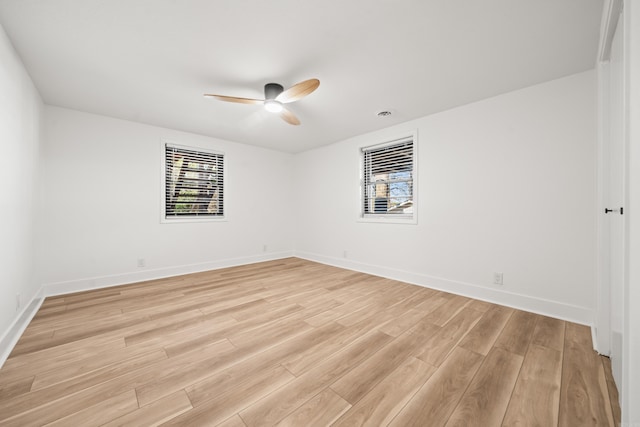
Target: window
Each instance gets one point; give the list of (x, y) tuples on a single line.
[(193, 183), (388, 180)]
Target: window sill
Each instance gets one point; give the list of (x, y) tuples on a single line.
[(191, 220), (388, 220)]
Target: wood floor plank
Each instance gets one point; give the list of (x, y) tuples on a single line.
[(237, 306), (46, 360), (173, 335), (284, 401), (209, 388), (61, 319), (173, 379), (414, 299), (308, 295), (128, 325), (92, 295), (156, 413), (75, 410), (433, 404), (51, 309), (485, 401), (402, 322), (484, 334), (584, 394), (534, 401), (234, 421), (517, 333), (549, 333), (312, 356), (71, 396), (208, 337), (91, 298), (480, 305), (44, 396), (438, 346), (178, 379), (31, 334), (212, 303), (325, 317), (359, 315), (441, 315), (322, 410), (231, 394), (294, 342), (12, 388), (108, 410), (386, 399), (93, 364), (364, 377), (53, 301), (270, 333), (180, 325), (432, 303)]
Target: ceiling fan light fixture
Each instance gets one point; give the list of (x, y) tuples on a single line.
[(275, 97), (273, 106)]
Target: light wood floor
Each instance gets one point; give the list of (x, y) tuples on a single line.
[(295, 343)]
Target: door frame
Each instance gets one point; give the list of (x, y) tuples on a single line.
[(612, 14)]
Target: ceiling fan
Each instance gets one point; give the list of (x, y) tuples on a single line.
[(275, 96)]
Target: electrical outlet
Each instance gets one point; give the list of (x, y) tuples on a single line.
[(18, 302), (498, 279), (141, 262), (345, 254), (264, 248)]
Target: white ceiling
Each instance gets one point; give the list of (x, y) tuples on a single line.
[(150, 61)]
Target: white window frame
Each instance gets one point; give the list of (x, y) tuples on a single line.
[(163, 167), (390, 218)]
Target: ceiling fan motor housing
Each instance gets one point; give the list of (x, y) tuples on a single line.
[(271, 90)]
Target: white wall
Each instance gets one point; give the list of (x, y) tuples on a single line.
[(20, 136), (505, 185), (102, 205)]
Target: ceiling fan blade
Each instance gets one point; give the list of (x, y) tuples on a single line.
[(289, 117), (298, 91), (235, 99)]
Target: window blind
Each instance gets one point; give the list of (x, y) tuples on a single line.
[(194, 182), (388, 178)]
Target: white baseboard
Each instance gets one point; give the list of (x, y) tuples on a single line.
[(87, 284), (14, 332), (572, 313), (594, 340)]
